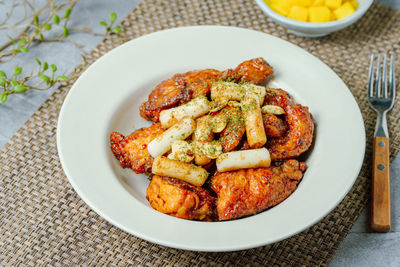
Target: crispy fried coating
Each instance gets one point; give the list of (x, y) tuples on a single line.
[(278, 97), (167, 94), (274, 126), (180, 199), (247, 192), (182, 87), (232, 134), (254, 70), (131, 150), (199, 81), (298, 137)]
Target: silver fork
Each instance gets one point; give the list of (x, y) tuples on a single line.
[(381, 96)]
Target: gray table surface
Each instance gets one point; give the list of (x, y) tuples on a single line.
[(360, 248)]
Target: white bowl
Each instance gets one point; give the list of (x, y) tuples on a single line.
[(310, 29)]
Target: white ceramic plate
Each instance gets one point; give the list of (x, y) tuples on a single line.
[(107, 96)]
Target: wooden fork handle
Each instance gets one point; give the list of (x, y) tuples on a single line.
[(380, 220)]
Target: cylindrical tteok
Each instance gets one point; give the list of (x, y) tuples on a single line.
[(180, 131), (254, 124), (194, 108), (243, 159), (203, 133), (225, 91), (184, 171)]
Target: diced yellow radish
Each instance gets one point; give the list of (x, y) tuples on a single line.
[(313, 10), (303, 3), (344, 11), (298, 13), (285, 4), (278, 7), (354, 3), (333, 4), (320, 14), (279, 10), (318, 3)]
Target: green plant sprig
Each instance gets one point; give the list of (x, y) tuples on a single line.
[(41, 21), (44, 79), (35, 30), (109, 26)]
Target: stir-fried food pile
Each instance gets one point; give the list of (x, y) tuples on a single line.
[(221, 145)]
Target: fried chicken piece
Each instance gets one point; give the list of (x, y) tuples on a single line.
[(180, 199), (278, 97), (247, 192), (298, 137), (167, 94), (182, 87), (274, 126), (232, 134), (199, 81), (131, 150), (254, 71)]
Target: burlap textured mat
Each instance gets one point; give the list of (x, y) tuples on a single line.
[(43, 221)]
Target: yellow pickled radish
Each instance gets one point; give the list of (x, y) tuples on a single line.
[(303, 3), (344, 11), (354, 3), (278, 6), (314, 10), (320, 14), (318, 3), (279, 10), (298, 13), (333, 4)]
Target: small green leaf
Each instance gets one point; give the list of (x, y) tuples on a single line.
[(17, 71), (36, 18), (46, 27), (62, 78), (113, 17), (56, 19), (41, 36), (3, 98), (11, 39), (2, 74), (14, 83), (21, 43), (24, 49), (44, 78), (103, 23), (67, 12), (20, 88), (38, 61), (2, 81), (45, 66), (66, 31), (53, 67), (117, 30)]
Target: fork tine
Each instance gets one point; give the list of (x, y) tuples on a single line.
[(378, 78), (392, 82), (384, 80), (371, 76)]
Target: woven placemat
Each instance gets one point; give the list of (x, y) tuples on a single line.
[(43, 220)]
